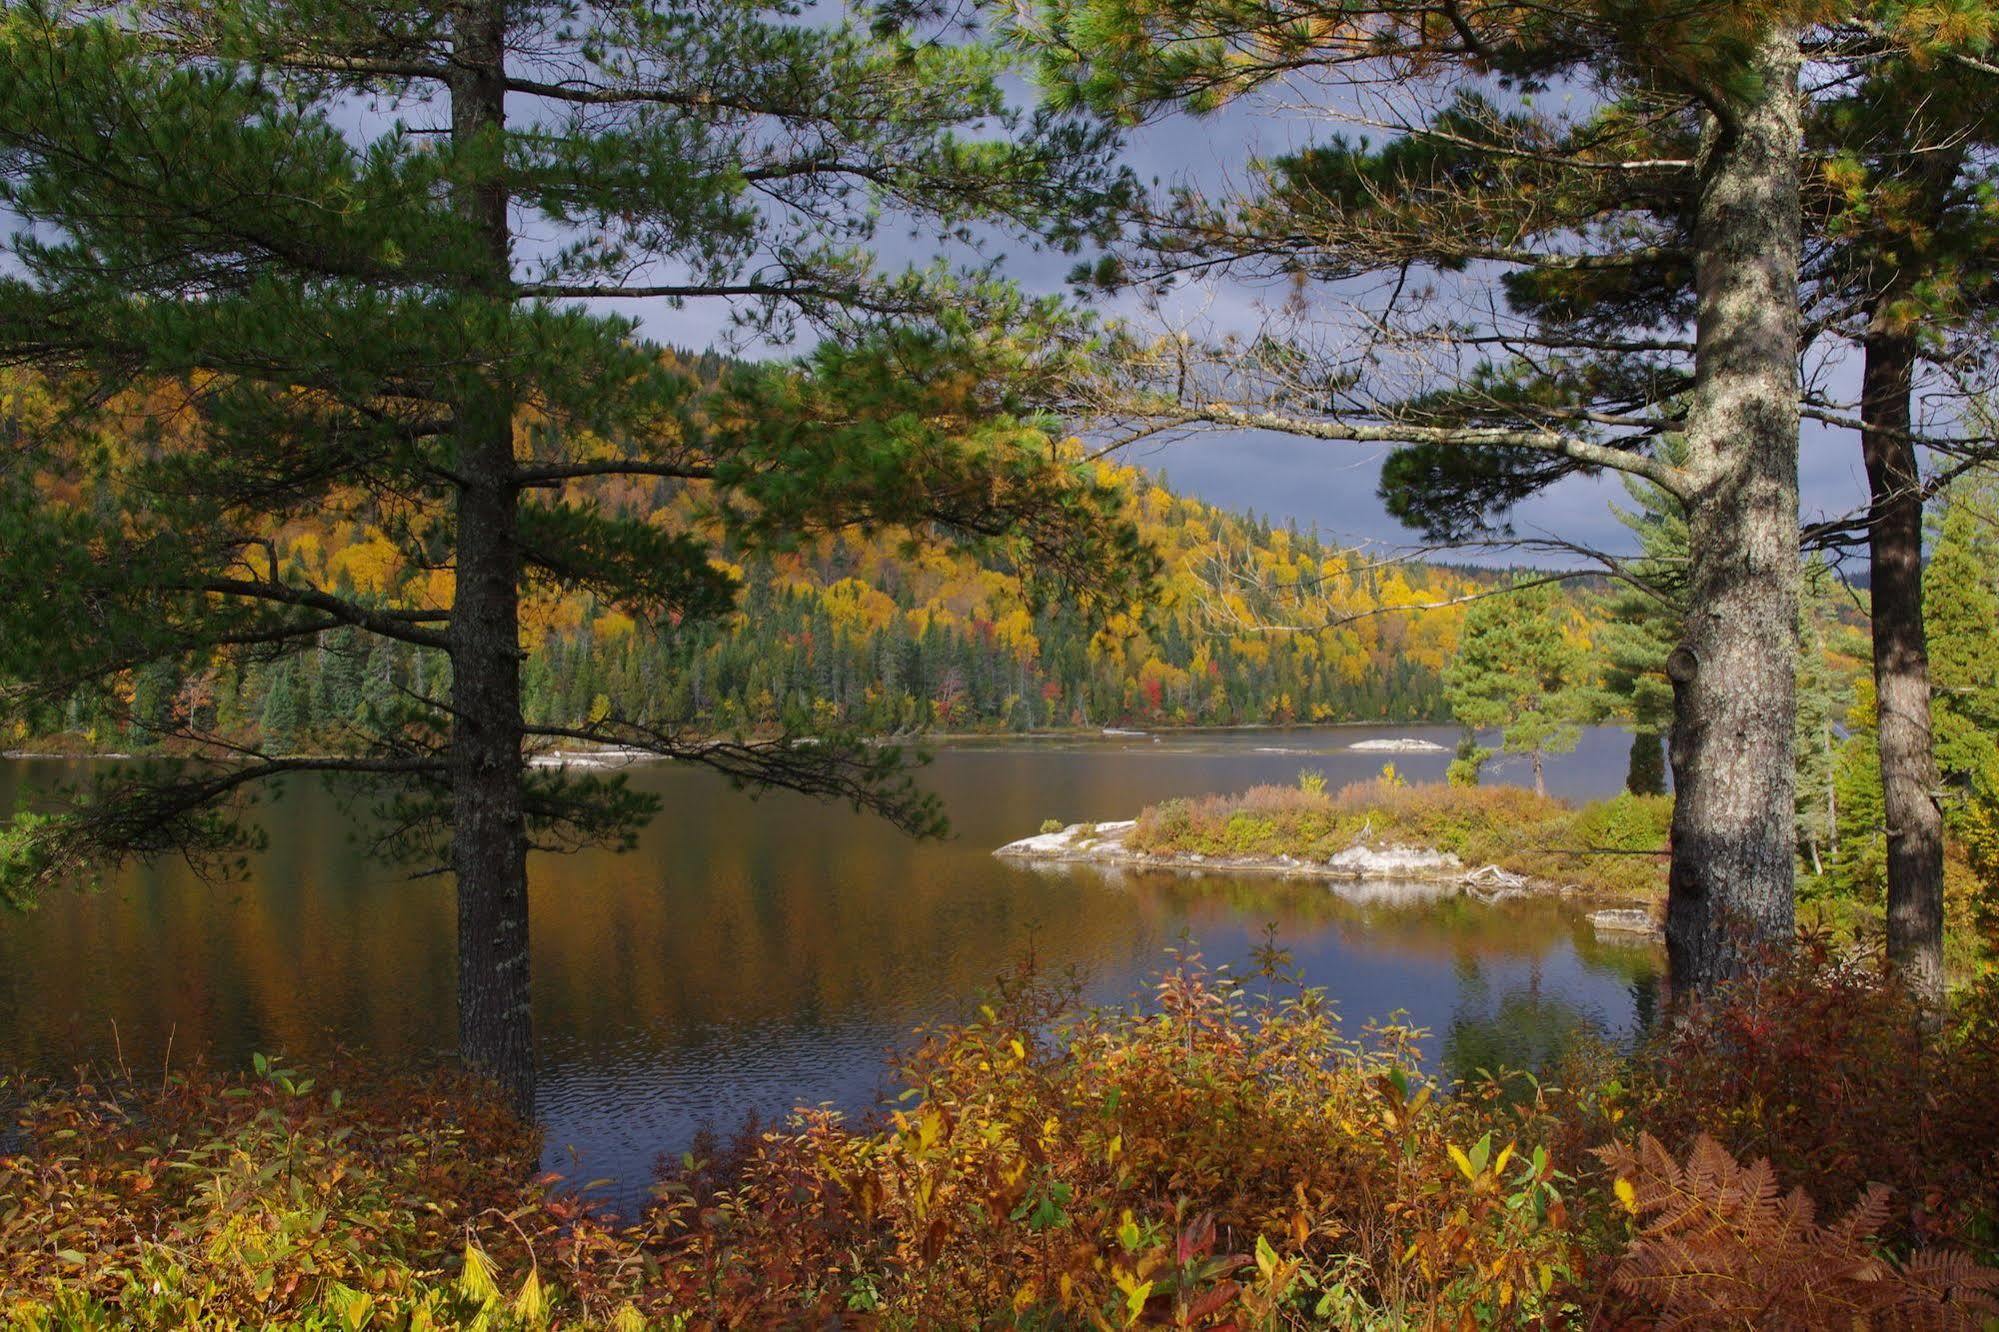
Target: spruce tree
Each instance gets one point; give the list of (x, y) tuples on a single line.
[(357, 261), (1645, 617), (1962, 607)]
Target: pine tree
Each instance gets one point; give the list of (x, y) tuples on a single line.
[(1906, 266), (1619, 219), (1683, 158), (1518, 671), (297, 307)]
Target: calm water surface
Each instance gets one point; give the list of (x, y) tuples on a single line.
[(755, 955)]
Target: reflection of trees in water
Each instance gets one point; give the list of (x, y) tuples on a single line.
[(1518, 1026), (1496, 1023), (1444, 927), (730, 916), (1646, 992)]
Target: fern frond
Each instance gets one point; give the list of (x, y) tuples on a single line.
[(1721, 1244)]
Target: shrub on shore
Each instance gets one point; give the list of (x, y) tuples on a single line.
[(1225, 1156), (1603, 846)]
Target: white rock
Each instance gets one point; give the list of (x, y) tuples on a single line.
[(1624, 920), (1392, 892), (1388, 861), (1078, 839)]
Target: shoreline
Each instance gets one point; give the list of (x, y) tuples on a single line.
[(619, 755)]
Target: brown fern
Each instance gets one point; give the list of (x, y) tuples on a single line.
[(1719, 1244)]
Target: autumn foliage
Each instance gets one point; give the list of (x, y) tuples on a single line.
[(1224, 1156), (1719, 1244), (1609, 845)]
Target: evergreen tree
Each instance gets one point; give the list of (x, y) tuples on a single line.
[(1910, 242), (1962, 596), (283, 718), (1646, 616), (1962, 608), (1818, 708), (1518, 671), (297, 308), (1681, 155)]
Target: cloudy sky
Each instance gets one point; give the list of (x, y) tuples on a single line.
[(1330, 486), (1333, 485)]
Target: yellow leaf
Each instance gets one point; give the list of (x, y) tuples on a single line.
[(1627, 1195)]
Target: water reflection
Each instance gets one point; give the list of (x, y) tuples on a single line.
[(753, 955)]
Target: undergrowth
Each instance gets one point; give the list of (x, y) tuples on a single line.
[(1227, 1155)]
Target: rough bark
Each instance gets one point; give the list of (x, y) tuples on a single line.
[(1733, 881), (489, 832), (1901, 661)]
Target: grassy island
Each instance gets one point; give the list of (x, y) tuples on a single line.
[(1605, 846)]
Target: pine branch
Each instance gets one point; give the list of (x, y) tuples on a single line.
[(1663, 475)]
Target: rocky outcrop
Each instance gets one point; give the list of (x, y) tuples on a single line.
[(1404, 745), (1108, 844), (1635, 921)]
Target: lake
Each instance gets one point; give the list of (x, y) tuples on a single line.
[(755, 955)]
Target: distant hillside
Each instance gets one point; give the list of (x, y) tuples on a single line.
[(1252, 624)]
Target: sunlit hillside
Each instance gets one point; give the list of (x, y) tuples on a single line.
[(1250, 624)]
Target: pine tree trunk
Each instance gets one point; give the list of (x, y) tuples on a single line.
[(1901, 663), (489, 832), (1732, 887), (1540, 777)]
